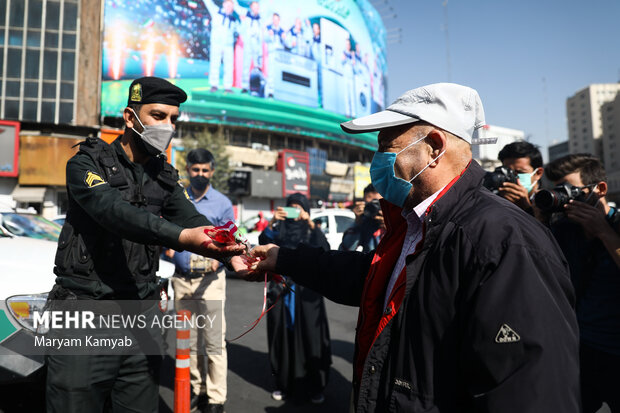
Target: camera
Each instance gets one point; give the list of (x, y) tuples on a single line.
[(371, 209), (494, 180), (553, 200)]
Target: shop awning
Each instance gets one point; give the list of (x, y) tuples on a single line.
[(28, 193)]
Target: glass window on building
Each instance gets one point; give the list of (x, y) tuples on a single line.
[(39, 82)]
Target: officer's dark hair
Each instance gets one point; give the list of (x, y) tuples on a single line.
[(200, 155), (590, 168), (276, 14), (522, 149), (370, 188)]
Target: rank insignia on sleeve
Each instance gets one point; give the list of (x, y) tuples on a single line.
[(92, 179), (186, 194)]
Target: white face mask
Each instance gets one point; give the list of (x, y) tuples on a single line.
[(155, 137)]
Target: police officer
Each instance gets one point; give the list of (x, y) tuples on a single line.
[(124, 202)]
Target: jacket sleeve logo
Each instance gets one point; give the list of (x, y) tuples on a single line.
[(506, 335), (92, 179)]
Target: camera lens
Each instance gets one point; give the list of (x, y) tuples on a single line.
[(551, 200)]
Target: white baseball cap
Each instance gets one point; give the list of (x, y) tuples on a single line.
[(451, 107)]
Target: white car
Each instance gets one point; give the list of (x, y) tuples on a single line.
[(334, 222), (26, 277)]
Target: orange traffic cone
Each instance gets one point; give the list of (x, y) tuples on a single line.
[(181, 378)]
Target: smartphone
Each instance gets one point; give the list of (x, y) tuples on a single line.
[(291, 212)]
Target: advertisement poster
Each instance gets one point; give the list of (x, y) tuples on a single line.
[(315, 61)]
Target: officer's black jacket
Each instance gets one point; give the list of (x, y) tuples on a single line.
[(108, 223), (484, 264)]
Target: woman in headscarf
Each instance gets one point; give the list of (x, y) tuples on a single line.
[(297, 329)]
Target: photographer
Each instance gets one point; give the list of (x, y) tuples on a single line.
[(587, 232), (369, 225), (526, 161)]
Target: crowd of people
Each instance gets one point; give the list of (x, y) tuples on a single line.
[(470, 299)]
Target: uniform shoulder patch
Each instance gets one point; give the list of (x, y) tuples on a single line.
[(506, 335), (136, 93), (186, 194), (92, 179)]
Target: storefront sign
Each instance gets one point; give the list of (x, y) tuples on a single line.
[(294, 166)]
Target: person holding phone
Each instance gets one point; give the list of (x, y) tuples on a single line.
[(297, 328)]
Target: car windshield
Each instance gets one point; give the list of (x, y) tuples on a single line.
[(29, 225)]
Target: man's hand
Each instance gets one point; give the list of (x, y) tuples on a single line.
[(195, 240), (169, 253), (215, 265), (594, 224), (269, 255), (380, 220), (516, 194), (358, 209), (591, 219)]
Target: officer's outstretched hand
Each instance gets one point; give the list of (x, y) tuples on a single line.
[(195, 240)]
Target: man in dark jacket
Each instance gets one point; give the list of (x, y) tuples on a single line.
[(470, 309), (124, 202)]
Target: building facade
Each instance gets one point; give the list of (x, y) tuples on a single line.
[(557, 150), (593, 116), (585, 119)]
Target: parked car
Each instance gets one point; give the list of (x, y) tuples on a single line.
[(247, 228), (30, 225), (60, 219), (334, 222), (26, 277)]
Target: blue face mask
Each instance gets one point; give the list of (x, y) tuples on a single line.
[(394, 190), (526, 180)]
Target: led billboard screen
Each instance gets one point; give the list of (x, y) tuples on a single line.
[(274, 64)]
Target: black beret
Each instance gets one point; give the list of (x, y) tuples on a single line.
[(155, 90)]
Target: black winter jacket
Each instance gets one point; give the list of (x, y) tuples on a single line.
[(486, 321)]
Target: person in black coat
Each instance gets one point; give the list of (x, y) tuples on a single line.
[(297, 328)]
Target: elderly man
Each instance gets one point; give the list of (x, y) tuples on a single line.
[(470, 309)]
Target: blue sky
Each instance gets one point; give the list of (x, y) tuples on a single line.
[(504, 49)]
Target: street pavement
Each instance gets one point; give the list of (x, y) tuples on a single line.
[(250, 381)]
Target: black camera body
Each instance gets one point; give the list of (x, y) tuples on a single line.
[(494, 180), (553, 200), (371, 209)]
